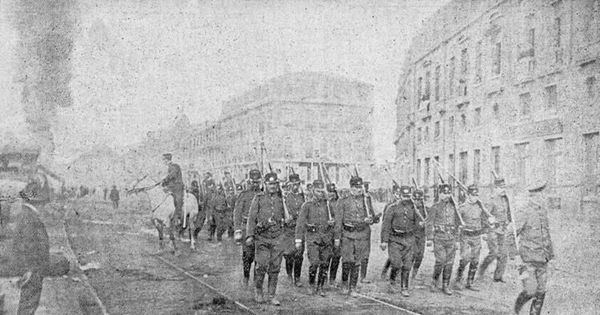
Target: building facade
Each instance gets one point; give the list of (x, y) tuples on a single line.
[(295, 121), (509, 87)]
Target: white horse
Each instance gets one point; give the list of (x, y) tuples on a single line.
[(163, 209)]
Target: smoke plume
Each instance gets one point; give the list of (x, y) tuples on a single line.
[(46, 30)]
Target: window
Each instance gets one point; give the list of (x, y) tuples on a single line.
[(436, 90), (462, 172), (464, 63), (427, 86), (419, 139), (426, 133), (476, 166), (531, 41), (496, 109), (451, 77), (551, 97), (427, 171), (496, 160), (557, 42), (451, 125), (552, 159), (525, 102), (308, 148), (419, 94), (478, 63), (452, 167), (477, 118), (419, 172), (591, 164), (522, 163), (435, 170), (463, 121), (437, 130), (590, 84), (497, 59)]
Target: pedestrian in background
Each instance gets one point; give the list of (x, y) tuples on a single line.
[(114, 197)]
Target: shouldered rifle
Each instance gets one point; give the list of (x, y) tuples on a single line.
[(327, 181), (286, 213), (511, 217), (462, 222)]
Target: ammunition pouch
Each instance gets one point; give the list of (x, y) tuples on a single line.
[(472, 233), (312, 228), (262, 227), (402, 233), (355, 227), (451, 229)]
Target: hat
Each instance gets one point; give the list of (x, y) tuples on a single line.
[(318, 184), (405, 191), (499, 181), (473, 190), (537, 186), (331, 188), (445, 189), (294, 178), (356, 181), (271, 178), (239, 187), (167, 156), (418, 194), (254, 175), (395, 188)]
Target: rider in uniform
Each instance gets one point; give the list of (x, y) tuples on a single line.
[(240, 218), (294, 256), (174, 183), (315, 225), (265, 230)]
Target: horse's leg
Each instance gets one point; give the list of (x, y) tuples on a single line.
[(191, 227), (159, 227), (172, 231)]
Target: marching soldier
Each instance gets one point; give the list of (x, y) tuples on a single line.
[(396, 197), (445, 224), (230, 199), (174, 183), (211, 194), (420, 235), (294, 256), (218, 211), (535, 249), (332, 198), (474, 217), (265, 230), (352, 230), (240, 219), (315, 225), (364, 263), (500, 208), (398, 228)]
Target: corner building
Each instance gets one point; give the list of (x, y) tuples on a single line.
[(509, 86)]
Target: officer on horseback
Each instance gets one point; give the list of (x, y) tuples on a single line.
[(174, 183)]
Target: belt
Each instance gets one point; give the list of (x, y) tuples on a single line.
[(402, 233), (472, 232), (312, 228), (444, 228), (354, 228)]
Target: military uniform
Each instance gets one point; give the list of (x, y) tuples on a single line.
[(444, 231), (497, 236), (364, 263), (420, 237), (314, 226), (293, 256), (219, 212), (240, 219), (470, 241), (536, 250), (354, 233), (230, 199), (174, 182), (398, 231), (265, 227), (337, 250)]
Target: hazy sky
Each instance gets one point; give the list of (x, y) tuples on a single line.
[(136, 62)]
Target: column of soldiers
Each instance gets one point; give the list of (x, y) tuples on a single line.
[(275, 223)]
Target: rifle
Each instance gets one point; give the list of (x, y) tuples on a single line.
[(512, 218), (327, 181), (286, 214), (414, 202), (462, 222), (370, 212)]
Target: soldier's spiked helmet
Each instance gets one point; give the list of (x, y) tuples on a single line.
[(445, 189), (405, 191), (254, 175), (418, 194), (331, 188), (271, 178), (356, 181), (318, 184), (294, 178), (473, 190)]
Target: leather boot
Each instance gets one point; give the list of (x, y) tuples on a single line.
[(462, 265), (312, 275), (289, 266), (273, 289), (471, 277), (437, 270), (521, 300), (484, 265), (404, 280), (447, 274), (259, 279), (363, 271), (321, 280), (385, 269), (353, 280), (346, 271), (298, 270), (393, 276), (537, 303), (335, 262)]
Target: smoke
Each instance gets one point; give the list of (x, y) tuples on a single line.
[(45, 30)]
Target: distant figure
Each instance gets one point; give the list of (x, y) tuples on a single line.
[(105, 192), (114, 197)]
